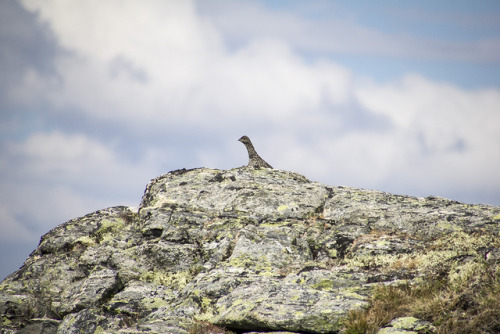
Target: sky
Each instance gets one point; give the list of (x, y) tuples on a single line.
[(97, 97)]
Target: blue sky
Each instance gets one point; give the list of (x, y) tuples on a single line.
[(99, 97)]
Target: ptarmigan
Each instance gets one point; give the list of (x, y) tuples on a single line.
[(254, 160)]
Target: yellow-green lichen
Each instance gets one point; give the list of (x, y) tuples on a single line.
[(351, 293), (324, 285), (299, 314), (447, 226), (443, 249), (207, 309), (71, 321), (275, 223), (405, 322), (177, 280), (155, 303), (323, 323), (260, 264), (237, 302), (109, 227), (246, 305), (226, 224), (99, 330), (205, 316), (282, 207), (206, 302), (369, 260), (464, 273), (86, 240)]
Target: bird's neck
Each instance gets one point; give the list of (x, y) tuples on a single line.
[(251, 151)]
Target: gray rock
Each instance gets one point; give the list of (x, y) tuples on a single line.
[(41, 325), (243, 249), (408, 325)]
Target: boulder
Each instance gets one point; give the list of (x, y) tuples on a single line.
[(246, 250)]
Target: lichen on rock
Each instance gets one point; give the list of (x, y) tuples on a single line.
[(242, 249)]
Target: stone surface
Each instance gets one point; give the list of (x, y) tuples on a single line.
[(408, 325), (249, 250)]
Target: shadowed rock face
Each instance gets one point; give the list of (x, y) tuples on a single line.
[(245, 249)]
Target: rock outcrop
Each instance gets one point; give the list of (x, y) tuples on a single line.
[(244, 249)]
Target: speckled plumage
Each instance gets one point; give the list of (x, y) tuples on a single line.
[(254, 160)]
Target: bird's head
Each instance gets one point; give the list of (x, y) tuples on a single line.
[(244, 140)]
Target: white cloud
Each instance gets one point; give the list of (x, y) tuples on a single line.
[(60, 153), (163, 40), (12, 229), (80, 160), (161, 65), (52, 177), (331, 27), (31, 210), (105, 29), (442, 133), (443, 115)]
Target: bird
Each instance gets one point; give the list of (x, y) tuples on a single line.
[(254, 160)]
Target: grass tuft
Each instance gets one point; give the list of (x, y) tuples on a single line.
[(204, 327), (469, 304)]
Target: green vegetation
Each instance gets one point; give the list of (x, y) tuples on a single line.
[(203, 327), (470, 304)]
